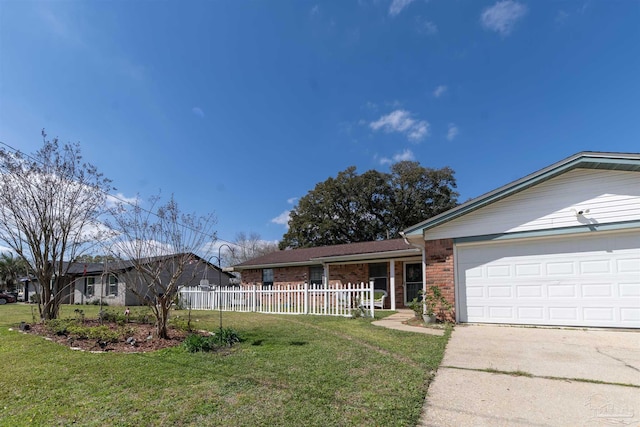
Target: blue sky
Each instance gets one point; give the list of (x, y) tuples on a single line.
[(241, 107)]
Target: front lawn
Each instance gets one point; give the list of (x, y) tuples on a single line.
[(289, 370)]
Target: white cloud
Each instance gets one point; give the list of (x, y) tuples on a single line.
[(4, 249), (425, 26), (401, 121), (439, 91), (452, 132), (282, 219), (371, 105), (292, 200), (502, 16), (561, 17), (114, 199), (315, 10), (419, 131), (198, 111), (397, 6), (399, 157)]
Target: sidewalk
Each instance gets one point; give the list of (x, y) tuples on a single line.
[(395, 322)]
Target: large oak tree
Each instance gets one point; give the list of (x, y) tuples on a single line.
[(371, 206)]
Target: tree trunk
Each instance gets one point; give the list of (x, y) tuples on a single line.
[(163, 317)]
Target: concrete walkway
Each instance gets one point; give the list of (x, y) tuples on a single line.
[(518, 376), (395, 321)]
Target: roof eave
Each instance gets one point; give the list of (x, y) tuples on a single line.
[(629, 161), (271, 265), (369, 256), (331, 259)]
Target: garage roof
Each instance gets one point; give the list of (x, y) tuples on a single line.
[(584, 160)]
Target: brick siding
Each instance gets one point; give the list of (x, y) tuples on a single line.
[(440, 271)]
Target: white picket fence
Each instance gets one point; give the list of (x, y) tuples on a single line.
[(303, 298)]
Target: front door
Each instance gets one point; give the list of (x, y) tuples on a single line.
[(412, 281)]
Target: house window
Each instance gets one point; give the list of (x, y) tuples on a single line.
[(378, 273), (315, 275), (267, 278), (113, 285), (412, 281), (89, 286)]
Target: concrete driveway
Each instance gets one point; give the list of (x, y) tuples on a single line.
[(517, 376)]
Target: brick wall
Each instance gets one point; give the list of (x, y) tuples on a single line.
[(440, 272), (348, 273), (338, 274)]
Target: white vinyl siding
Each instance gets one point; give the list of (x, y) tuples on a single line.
[(610, 196), (573, 281)]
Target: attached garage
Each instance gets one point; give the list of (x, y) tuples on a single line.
[(558, 247), (578, 281)]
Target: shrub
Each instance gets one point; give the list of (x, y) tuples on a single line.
[(101, 333), (194, 343), (227, 336), (59, 326)]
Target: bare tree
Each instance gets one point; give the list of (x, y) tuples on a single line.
[(49, 205), (159, 244), (246, 247)]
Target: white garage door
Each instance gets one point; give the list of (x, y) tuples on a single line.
[(572, 281)]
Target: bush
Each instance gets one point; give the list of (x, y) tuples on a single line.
[(100, 333), (59, 326), (226, 336), (194, 343), (113, 317)]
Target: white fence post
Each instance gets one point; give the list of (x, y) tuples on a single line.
[(371, 297), (254, 291)]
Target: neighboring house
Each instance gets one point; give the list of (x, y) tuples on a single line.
[(113, 281), (393, 265), (558, 247)]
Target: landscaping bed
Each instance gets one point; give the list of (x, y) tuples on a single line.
[(127, 338)]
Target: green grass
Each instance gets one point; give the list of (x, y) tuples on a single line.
[(289, 370)]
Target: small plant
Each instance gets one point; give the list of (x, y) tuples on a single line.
[(227, 336), (60, 326), (416, 305), (434, 298), (430, 302), (195, 343), (143, 318), (180, 323), (224, 337), (79, 315), (113, 317)]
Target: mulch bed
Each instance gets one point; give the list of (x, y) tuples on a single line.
[(141, 337)]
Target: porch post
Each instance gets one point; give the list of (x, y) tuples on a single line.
[(424, 276), (392, 282), (326, 274)]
